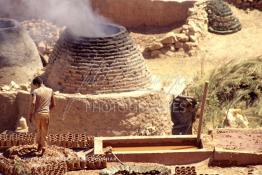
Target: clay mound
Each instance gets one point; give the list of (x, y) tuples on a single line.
[(19, 58), (221, 19), (97, 65)]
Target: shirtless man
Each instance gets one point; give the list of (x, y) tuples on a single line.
[(42, 103)]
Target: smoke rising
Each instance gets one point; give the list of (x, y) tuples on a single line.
[(77, 15)]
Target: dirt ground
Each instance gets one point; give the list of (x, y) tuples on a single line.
[(201, 168), (240, 140), (214, 50)]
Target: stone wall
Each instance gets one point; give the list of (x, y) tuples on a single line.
[(144, 13), (132, 113), (244, 4), (129, 13)]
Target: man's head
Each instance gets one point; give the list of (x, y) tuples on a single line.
[(37, 81)]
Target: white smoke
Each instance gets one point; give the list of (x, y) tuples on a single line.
[(77, 15)]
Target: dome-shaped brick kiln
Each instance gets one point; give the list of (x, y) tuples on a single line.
[(110, 63), (19, 58), (221, 19)]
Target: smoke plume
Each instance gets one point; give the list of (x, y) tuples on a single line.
[(77, 15)]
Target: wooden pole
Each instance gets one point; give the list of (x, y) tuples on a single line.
[(202, 109)]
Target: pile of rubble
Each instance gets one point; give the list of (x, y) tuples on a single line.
[(245, 4), (45, 34), (14, 87), (188, 37)]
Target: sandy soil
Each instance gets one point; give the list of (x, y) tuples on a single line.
[(241, 140)]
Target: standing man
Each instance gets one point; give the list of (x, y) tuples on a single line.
[(42, 103)]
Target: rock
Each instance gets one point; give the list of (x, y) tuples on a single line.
[(22, 125), (192, 53), (179, 45), (193, 28), (169, 39), (41, 47), (185, 32), (235, 119), (170, 53), (191, 11), (24, 87), (56, 92), (155, 53), (156, 46), (189, 46), (165, 49), (44, 59), (185, 27), (182, 37), (172, 48), (5, 88), (13, 85), (192, 38)]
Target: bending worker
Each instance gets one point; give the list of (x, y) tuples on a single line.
[(42, 103)]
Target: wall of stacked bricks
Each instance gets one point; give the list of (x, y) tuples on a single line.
[(244, 4), (67, 140), (98, 115), (140, 13), (59, 167)]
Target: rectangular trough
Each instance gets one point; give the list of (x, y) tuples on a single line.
[(168, 150)]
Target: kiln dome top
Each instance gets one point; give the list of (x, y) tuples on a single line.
[(106, 31)]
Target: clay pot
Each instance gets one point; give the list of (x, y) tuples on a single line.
[(98, 164), (70, 165), (76, 137), (75, 144), (8, 143), (103, 164), (63, 143), (1, 142), (90, 165), (10, 170), (14, 142), (1, 167), (81, 144), (82, 164), (77, 164)]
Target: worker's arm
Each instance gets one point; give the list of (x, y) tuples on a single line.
[(52, 104), (32, 110)]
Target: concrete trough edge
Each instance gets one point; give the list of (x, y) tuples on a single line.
[(228, 158)]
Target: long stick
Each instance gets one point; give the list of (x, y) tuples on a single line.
[(203, 103)]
